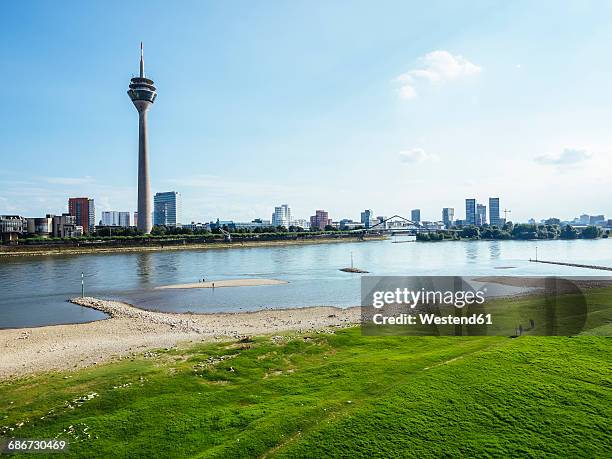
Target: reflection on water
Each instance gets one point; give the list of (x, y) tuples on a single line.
[(495, 250), (471, 252), (144, 265), (35, 289)]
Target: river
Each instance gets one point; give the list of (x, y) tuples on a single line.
[(35, 289)]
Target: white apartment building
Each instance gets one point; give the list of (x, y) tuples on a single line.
[(282, 216)]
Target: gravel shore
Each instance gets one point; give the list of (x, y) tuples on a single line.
[(132, 330)]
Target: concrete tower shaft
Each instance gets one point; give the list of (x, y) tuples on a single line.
[(143, 93)]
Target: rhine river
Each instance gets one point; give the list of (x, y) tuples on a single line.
[(35, 290)]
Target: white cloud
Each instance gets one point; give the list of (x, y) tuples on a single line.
[(407, 91), (416, 156), (568, 157), (435, 67)]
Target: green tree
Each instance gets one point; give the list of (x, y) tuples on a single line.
[(158, 230), (486, 233), (525, 231), (568, 232), (470, 232), (591, 232), (552, 231)]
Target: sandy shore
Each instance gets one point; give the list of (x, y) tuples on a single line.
[(227, 283), (129, 330)]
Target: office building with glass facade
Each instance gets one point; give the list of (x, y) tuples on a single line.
[(166, 208)]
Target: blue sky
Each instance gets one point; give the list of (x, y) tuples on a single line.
[(336, 105)]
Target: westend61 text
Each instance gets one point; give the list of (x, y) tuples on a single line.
[(432, 319)]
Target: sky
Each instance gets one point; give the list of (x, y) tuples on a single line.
[(335, 105)]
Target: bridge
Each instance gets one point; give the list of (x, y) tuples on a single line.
[(392, 227)]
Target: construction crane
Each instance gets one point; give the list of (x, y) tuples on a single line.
[(506, 212), (228, 236)]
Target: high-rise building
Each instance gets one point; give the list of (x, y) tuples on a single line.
[(114, 218), (109, 218), (448, 216), (367, 218), (136, 219), (481, 214), (320, 220), (143, 94), (470, 211), (84, 211), (415, 215), (494, 219), (124, 219), (166, 208), (282, 216)]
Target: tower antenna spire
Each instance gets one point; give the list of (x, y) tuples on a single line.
[(142, 74), (142, 92)]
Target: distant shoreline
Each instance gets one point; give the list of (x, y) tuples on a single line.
[(30, 251)]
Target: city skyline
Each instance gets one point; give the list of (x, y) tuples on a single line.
[(364, 100), (167, 211)]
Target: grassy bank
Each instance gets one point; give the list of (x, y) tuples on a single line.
[(329, 394)]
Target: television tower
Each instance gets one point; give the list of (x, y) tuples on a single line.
[(143, 94)]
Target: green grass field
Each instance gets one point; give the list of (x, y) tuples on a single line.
[(336, 394)]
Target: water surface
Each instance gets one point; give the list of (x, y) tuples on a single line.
[(35, 289)]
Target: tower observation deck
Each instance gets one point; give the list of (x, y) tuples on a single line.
[(142, 92)]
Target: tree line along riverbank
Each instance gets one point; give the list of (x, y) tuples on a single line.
[(107, 244), (522, 231)]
